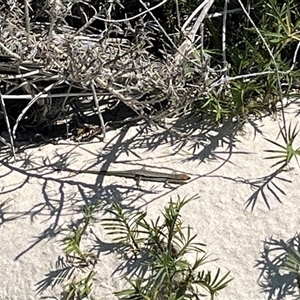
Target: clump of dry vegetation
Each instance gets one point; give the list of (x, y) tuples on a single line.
[(71, 61)]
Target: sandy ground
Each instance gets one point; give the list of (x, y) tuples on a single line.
[(247, 218)]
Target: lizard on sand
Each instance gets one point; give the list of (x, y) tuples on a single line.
[(138, 175)]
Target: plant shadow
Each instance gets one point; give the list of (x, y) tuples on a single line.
[(264, 185), (63, 272), (129, 265), (274, 280)]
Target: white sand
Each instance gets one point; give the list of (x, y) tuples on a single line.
[(36, 205)]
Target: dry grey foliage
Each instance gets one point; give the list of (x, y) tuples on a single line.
[(46, 67)]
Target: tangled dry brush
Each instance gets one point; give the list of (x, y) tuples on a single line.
[(62, 60)]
